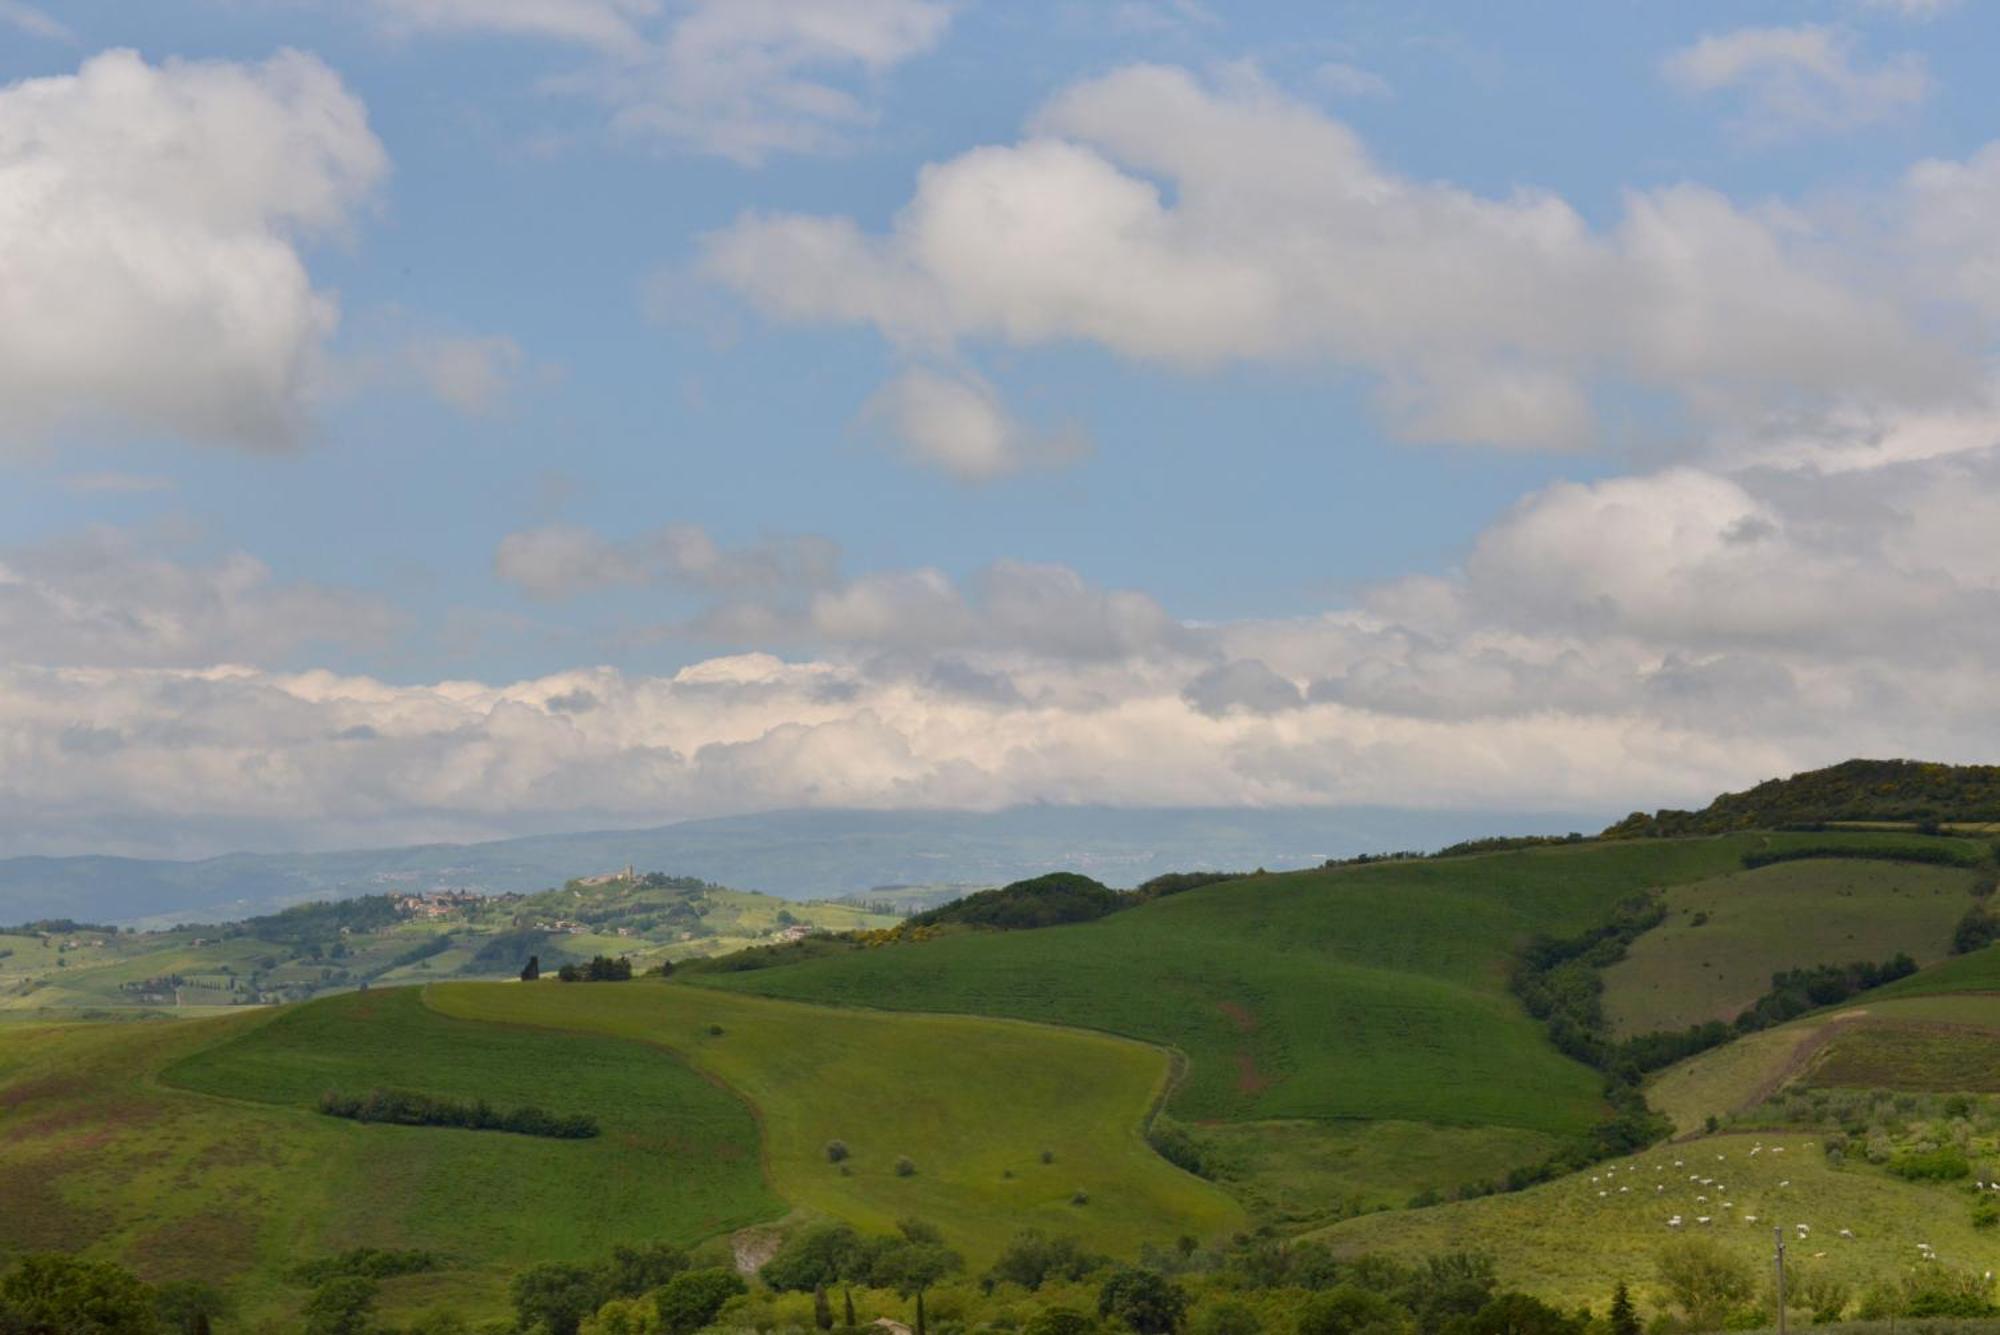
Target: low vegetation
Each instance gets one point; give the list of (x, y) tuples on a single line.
[(403, 1107)]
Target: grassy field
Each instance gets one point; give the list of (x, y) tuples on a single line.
[(1573, 1239), (1374, 992), (1303, 1173), (1940, 1042), (112, 1136), (194, 1149), (972, 1103), (1724, 937)]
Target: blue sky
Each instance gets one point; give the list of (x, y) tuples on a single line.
[(1313, 372)]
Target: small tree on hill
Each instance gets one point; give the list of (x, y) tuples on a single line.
[(532, 969), (1624, 1317), (1703, 1280)]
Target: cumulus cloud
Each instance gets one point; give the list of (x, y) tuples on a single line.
[(741, 79), (151, 218), (958, 425), (1192, 225), (109, 598), (473, 374), (1800, 79)]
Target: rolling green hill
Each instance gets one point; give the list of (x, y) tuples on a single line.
[(196, 1149), (1335, 998), (1724, 937), (1867, 791)]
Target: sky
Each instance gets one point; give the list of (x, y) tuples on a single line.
[(444, 419)]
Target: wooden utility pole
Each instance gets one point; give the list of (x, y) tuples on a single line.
[(1779, 1234)]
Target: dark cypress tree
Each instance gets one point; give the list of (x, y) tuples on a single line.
[(532, 969), (1624, 1321), (847, 1300), (822, 1309)]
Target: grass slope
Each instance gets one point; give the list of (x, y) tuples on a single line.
[(1573, 1239), (1373, 992), (972, 1102), (97, 1151), (1724, 937)]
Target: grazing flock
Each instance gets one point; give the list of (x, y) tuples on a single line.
[(1683, 1177)]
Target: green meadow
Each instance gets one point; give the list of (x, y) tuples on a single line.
[(1572, 1239), (973, 1104), (1725, 936), (1361, 992)]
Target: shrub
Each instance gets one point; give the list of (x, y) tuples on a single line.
[(690, 1301), (1703, 1280), (556, 1294), (64, 1293), (1178, 1148), (1079, 1197), (836, 1150), (1060, 1321), (1945, 1164), (406, 1108), (367, 1262), (1228, 1317), (343, 1306), (1033, 1259), (1145, 1300), (1343, 1310), (905, 1166)]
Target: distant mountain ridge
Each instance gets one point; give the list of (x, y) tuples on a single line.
[(797, 854), (1854, 790)]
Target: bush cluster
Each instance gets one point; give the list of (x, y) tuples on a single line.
[(406, 1108)]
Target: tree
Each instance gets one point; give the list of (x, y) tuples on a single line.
[(1145, 1300), (1343, 1310), (557, 1294), (1228, 1317), (1624, 1317), (690, 1300), (847, 1307), (189, 1307), (1060, 1321), (1703, 1280), (1033, 1259), (1517, 1314), (822, 1309), (821, 1254), (633, 1271), (623, 1316), (52, 1292), (532, 969), (913, 1267), (342, 1306)]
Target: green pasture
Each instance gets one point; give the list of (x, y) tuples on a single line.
[(1374, 992), (1725, 936), (191, 1150), (972, 1103), (1571, 1240)]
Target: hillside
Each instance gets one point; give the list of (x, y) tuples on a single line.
[(1899, 791), (65, 968), (1724, 937), (793, 854), (209, 1158)]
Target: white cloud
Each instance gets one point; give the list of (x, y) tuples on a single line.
[(150, 221), (1798, 80), (109, 598), (1914, 9), (32, 21), (958, 425), (1192, 226), (741, 79)]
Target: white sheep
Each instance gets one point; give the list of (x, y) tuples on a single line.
[(1701, 1219), (1847, 1233)]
